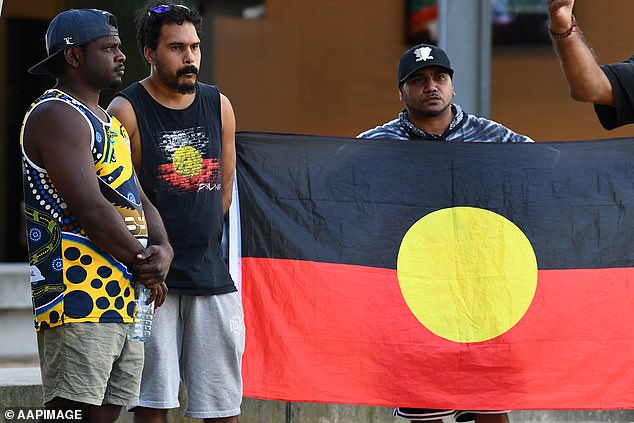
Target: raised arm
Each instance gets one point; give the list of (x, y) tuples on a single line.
[(586, 80), (228, 151)]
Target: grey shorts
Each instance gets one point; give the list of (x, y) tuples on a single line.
[(92, 363), (198, 340), (425, 414)]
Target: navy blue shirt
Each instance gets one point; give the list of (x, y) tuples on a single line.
[(621, 76), (181, 175)]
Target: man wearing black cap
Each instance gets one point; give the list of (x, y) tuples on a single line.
[(425, 87), (87, 223)]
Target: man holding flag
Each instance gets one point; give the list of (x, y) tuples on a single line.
[(425, 87)]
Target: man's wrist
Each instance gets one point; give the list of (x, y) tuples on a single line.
[(573, 27)]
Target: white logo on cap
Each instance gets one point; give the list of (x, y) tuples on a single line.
[(69, 41), (423, 53)]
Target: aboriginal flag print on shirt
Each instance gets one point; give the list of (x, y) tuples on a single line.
[(438, 275), (187, 168)]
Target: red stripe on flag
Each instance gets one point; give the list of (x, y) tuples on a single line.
[(320, 332)]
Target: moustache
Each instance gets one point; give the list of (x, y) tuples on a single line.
[(187, 69)]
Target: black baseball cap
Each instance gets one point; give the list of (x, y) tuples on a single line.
[(422, 56), (72, 28)]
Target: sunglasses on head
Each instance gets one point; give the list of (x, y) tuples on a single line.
[(162, 8)]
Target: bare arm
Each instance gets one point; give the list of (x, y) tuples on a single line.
[(228, 151), (586, 80), (159, 254), (68, 160), (124, 112), (154, 269)]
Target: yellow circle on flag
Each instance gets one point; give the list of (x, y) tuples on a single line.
[(187, 161), (467, 274)]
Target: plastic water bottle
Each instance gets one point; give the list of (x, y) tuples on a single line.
[(140, 330)]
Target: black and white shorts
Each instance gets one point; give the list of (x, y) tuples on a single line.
[(425, 414)]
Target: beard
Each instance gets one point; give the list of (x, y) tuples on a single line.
[(433, 112), (171, 80), (116, 84)]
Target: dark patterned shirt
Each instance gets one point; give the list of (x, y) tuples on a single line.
[(463, 128), (72, 279)]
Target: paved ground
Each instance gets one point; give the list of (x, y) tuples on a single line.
[(256, 411)]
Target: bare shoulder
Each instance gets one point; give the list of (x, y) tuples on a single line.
[(226, 110), (54, 129), (54, 117), (224, 102), (122, 109)]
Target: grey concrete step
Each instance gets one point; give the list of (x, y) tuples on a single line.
[(18, 332), (16, 315), (15, 290)]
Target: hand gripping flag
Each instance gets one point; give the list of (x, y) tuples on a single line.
[(438, 275)]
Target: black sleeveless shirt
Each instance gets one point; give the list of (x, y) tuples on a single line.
[(181, 175)]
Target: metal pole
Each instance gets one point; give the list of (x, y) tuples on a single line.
[(464, 32)]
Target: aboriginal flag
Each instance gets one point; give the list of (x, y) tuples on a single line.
[(438, 275)]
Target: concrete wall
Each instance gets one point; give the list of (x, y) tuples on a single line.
[(16, 314)]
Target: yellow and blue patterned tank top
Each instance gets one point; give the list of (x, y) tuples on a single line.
[(73, 280)]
